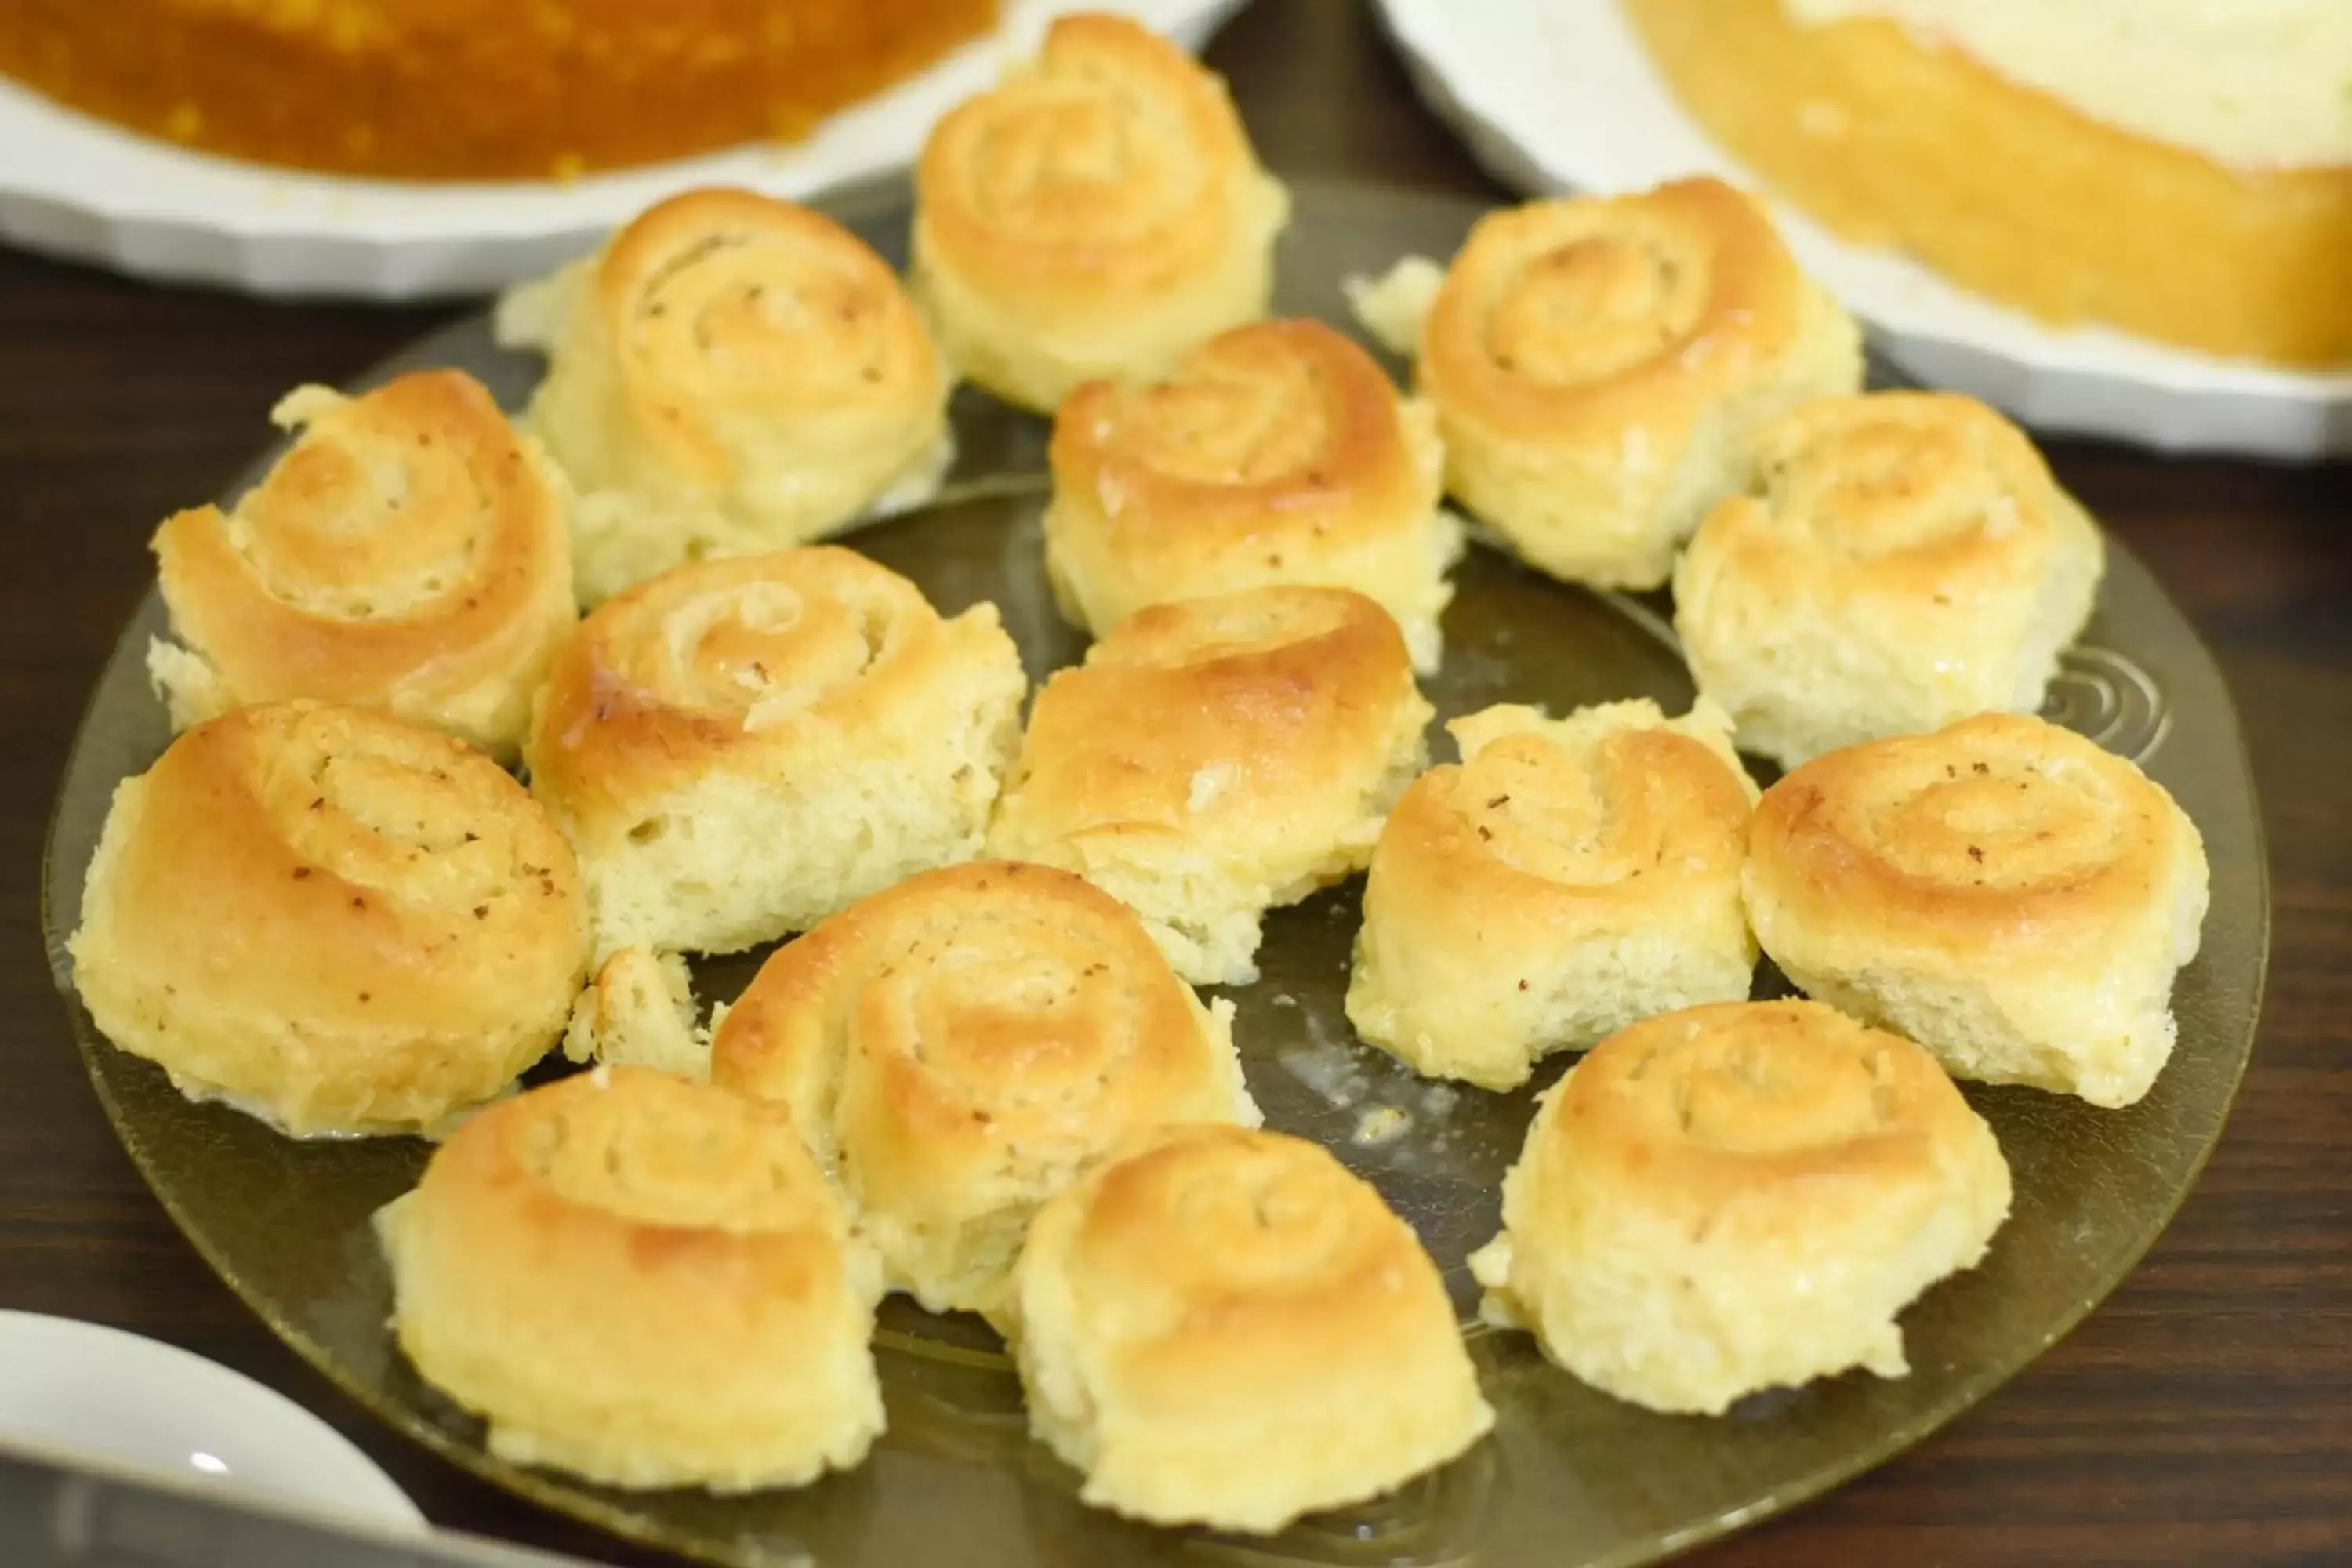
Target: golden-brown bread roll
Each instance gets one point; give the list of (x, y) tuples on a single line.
[(1096, 214), (739, 748), (642, 1281), (960, 1047), (732, 374), (1569, 876), (1224, 1327), (1218, 757), (1276, 452), (410, 552), (332, 919), (1740, 1197), (1896, 560), (1599, 366), (2005, 892)]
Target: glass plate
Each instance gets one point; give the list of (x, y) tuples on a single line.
[(1571, 1477)]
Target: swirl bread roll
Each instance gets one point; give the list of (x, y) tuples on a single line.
[(732, 374), (1097, 213), (409, 551), (1224, 1327), (1569, 876), (643, 1281), (1218, 757), (1740, 1197), (740, 748), (1896, 560), (960, 1047), (335, 920), (2005, 892), (1599, 367), (1274, 453)]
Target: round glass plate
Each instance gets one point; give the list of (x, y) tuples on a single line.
[(1571, 1477)]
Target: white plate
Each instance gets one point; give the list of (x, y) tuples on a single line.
[(1560, 95), (77, 187), (78, 1389)]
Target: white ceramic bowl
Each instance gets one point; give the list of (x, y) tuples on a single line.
[(1560, 95), (75, 1389), (77, 187)]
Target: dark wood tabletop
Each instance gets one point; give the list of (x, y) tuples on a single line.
[(2203, 1415)]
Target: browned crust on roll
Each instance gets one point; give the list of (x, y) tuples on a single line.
[(641, 1280), (1474, 836), (1930, 503), (760, 1226), (276, 593), (1227, 1326), (613, 731), (2002, 839), (1276, 452), (962, 1045), (865, 351), (1185, 494), (1758, 1116), (1314, 1276), (350, 923), (1548, 379), (1107, 65), (776, 1035), (1298, 687)]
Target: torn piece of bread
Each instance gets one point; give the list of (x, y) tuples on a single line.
[(639, 1011)]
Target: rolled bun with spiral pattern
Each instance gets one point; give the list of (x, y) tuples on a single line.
[(1097, 213), (1599, 366), (1224, 1327), (732, 374), (1216, 758), (959, 1048), (1740, 1197), (409, 552), (642, 1281), (740, 748), (1894, 562), (1276, 452), (2005, 892), (338, 921), (1567, 878)]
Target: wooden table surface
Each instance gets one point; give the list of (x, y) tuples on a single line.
[(2203, 1415)]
